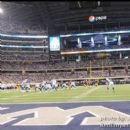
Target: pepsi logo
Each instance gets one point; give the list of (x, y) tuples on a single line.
[(98, 18), (91, 18)]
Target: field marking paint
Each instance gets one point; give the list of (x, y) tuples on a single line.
[(47, 115), (106, 115), (84, 94), (3, 108)]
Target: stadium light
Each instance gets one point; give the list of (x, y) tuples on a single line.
[(1, 10), (79, 4), (106, 43), (126, 57), (119, 40), (99, 3), (92, 41)]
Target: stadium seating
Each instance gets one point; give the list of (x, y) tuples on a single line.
[(17, 60)]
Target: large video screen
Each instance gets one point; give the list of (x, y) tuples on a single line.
[(98, 41), (54, 43)]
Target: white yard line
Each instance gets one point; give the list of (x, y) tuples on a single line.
[(84, 94)]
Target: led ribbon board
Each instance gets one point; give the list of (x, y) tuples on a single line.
[(95, 33), (23, 36), (14, 46), (94, 51)]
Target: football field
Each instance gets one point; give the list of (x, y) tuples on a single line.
[(81, 108), (81, 93)]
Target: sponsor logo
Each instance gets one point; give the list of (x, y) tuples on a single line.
[(44, 116), (97, 18), (91, 18)]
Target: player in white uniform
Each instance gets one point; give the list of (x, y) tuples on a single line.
[(110, 84), (54, 84), (72, 84)]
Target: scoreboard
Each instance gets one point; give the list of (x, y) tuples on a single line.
[(94, 42), (54, 43), (54, 48)]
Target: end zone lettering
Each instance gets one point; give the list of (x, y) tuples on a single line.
[(57, 116)]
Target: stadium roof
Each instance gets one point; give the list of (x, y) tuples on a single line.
[(59, 15)]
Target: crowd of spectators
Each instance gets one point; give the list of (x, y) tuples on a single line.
[(39, 77), (23, 57), (17, 28), (13, 28), (7, 26), (64, 65), (41, 52)]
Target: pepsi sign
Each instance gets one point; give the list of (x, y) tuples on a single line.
[(97, 18)]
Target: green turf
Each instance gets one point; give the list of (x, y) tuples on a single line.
[(65, 95)]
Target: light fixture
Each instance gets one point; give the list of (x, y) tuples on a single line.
[(1, 10), (99, 3), (79, 4)]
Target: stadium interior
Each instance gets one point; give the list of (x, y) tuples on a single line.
[(65, 41), (65, 65)]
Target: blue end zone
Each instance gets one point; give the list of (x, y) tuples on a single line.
[(123, 106)]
